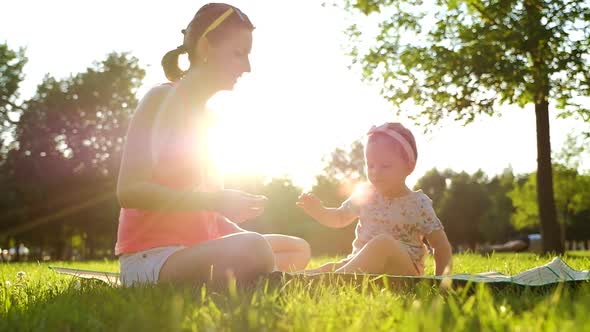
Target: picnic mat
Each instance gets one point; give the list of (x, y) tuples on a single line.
[(554, 272)]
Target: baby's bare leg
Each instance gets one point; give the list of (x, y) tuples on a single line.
[(291, 253), (328, 267), (382, 255)]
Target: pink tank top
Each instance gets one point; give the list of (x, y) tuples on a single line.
[(181, 165)]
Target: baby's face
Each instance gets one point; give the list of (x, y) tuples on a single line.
[(386, 169)]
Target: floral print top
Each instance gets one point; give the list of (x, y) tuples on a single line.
[(407, 218)]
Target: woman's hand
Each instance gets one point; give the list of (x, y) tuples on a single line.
[(310, 204), (239, 206)]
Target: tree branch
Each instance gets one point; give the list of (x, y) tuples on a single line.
[(560, 10), (14, 106), (481, 10)]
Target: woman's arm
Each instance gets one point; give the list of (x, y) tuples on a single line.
[(442, 251), (135, 188), (156, 118), (227, 227)]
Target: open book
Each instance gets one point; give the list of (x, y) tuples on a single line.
[(553, 272), (111, 278)]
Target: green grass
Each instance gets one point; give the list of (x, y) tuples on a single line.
[(44, 301)]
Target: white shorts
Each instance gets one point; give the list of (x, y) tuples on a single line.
[(144, 266)]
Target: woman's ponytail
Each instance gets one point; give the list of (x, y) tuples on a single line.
[(170, 64)]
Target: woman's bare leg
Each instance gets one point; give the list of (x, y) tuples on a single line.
[(243, 256), (383, 254), (291, 253)]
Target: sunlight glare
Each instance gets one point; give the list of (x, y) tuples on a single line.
[(237, 139)]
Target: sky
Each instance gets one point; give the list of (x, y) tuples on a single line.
[(298, 104)]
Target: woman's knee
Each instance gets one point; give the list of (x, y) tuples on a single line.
[(300, 245), (256, 252), (305, 249), (301, 253)]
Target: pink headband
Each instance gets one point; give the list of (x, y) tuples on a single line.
[(384, 129)]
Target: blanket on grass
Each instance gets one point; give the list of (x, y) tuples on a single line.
[(554, 272)]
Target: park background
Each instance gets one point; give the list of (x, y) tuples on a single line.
[(71, 75)]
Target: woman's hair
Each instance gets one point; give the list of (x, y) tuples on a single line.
[(378, 132), (214, 20)]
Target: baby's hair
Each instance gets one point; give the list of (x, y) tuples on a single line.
[(402, 131), (215, 20)]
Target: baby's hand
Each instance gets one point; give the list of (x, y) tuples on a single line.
[(309, 203)]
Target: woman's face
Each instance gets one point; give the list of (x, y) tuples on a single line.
[(228, 58)]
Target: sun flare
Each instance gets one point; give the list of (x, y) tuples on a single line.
[(238, 139)]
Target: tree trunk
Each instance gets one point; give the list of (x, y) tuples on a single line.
[(90, 247), (17, 256), (563, 224), (550, 229)]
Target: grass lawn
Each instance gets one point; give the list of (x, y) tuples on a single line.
[(40, 300)]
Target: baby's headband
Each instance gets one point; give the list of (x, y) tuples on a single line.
[(384, 129)]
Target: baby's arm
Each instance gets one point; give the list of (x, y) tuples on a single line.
[(331, 217), (442, 251)]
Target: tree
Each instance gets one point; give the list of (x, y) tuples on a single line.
[(470, 56), (434, 184), (463, 208), (571, 195), (496, 226), (12, 63), (526, 208), (573, 189), (344, 169), (471, 207), (281, 215), (83, 119), (346, 164), (68, 144), (11, 74)]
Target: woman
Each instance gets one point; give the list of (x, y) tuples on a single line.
[(177, 222)]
